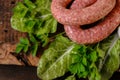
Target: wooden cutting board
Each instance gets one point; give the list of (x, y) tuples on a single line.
[(7, 34)]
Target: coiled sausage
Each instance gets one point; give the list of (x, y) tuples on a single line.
[(98, 32), (82, 16)]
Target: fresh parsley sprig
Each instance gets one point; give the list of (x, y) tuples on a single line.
[(83, 65)]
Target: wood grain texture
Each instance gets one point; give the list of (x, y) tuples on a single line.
[(7, 34)]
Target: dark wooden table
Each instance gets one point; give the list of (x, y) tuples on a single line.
[(7, 34)]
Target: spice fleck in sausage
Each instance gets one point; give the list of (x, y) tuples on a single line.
[(98, 32), (82, 16)]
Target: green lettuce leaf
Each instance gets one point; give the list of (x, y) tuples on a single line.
[(63, 56), (23, 45), (56, 59), (71, 78), (109, 50), (34, 17)]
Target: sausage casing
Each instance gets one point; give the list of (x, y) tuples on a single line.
[(82, 16), (97, 32)]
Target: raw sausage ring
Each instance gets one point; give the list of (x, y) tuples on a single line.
[(82, 16), (98, 32)]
